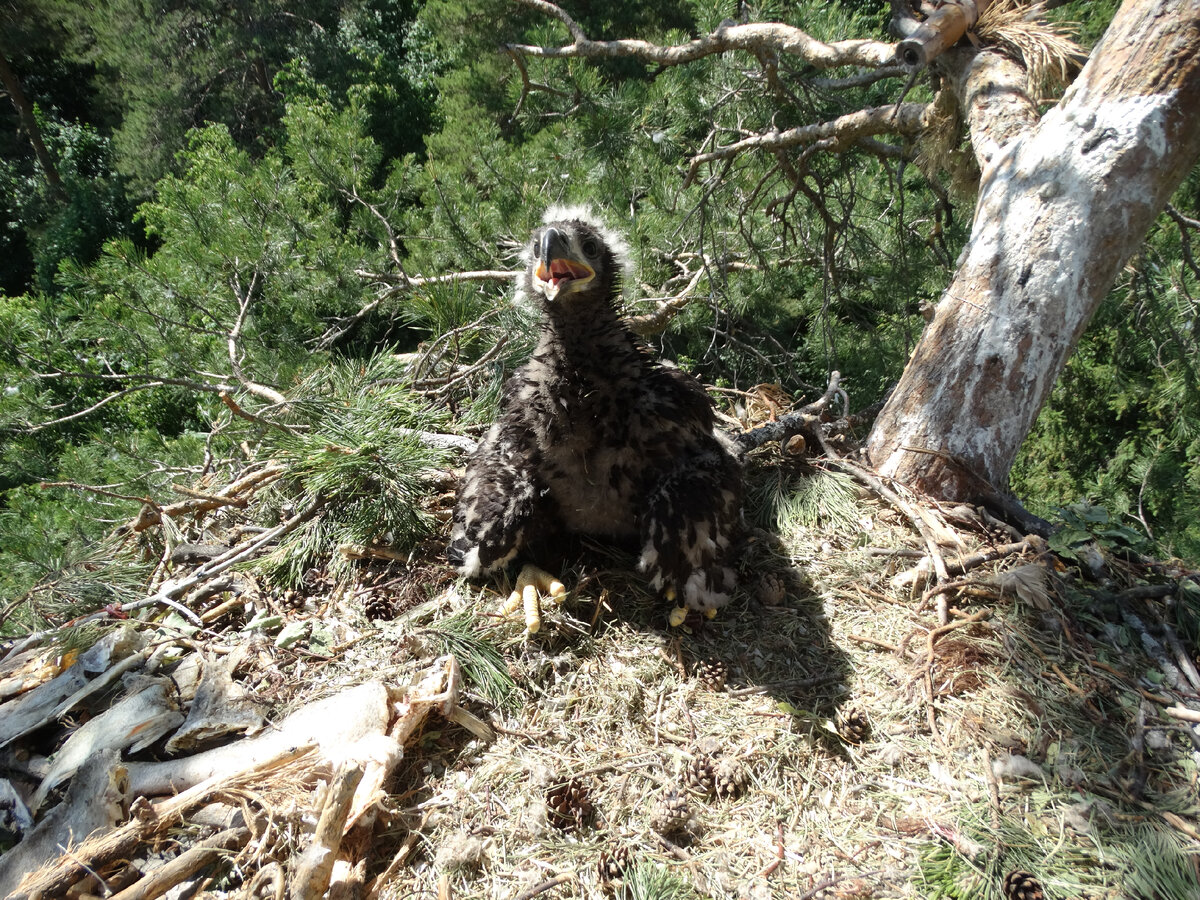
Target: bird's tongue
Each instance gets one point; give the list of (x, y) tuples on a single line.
[(565, 270)]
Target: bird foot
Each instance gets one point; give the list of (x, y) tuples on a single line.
[(678, 614), (532, 585)]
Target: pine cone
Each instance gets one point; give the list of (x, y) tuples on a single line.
[(1019, 885), (569, 804), (731, 777), (614, 861), (853, 725), (670, 814), (379, 606), (702, 773), (712, 672)]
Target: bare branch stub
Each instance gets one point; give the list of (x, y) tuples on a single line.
[(940, 31)]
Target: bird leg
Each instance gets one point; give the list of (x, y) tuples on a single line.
[(532, 584)]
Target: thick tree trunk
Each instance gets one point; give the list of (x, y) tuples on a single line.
[(1062, 206), (24, 108)]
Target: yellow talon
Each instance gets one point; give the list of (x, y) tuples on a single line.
[(533, 611), (532, 585), (677, 615), (710, 613)]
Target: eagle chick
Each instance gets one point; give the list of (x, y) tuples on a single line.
[(596, 438)]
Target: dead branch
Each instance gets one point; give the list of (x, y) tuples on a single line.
[(237, 410), (310, 878), (177, 587), (96, 852), (528, 85), (546, 885), (859, 79), (794, 422), (99, 404), (914, 515), (752, 38), (919, 574), (236, 494), (92, 489), (940, 31), (185, 865), (833, 136), (667, 308), (244, 297), (401, 283)]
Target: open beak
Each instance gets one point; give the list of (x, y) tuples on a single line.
[(557, 270)]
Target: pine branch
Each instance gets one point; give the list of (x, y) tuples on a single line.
[(833, 136), (753, 38)]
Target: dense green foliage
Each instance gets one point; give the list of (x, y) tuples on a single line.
[(246, 185)]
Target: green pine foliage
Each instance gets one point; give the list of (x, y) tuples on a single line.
[(353, 450)]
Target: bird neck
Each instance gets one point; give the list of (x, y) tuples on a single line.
[(587, 334)]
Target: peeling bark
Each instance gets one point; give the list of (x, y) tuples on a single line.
[(1062, 206)]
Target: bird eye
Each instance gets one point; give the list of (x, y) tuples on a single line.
[(590, 247)]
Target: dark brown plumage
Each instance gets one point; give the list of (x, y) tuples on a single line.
[(597, 438)]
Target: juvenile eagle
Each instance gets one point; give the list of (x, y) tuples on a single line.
[(596, 438)]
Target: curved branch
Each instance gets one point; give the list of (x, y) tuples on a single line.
[(667, 308), (754, 38), (244, 298), (400, 283), (102, 402), (834, 136)]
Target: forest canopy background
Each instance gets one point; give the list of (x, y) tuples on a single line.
[(226, 259)]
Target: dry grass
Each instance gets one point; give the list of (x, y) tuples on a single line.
[(1015, 746), (1045, 48)]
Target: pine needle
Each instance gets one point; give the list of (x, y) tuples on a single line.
[(646, 881), (482, 664), (825, 501)]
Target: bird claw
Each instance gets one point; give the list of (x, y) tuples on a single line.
[(532, 585)]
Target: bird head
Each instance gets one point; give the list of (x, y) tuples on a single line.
[(570, 256)]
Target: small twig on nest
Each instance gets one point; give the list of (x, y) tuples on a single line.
[(875, 483), (830, 882), (930, 640), (1157, 652), (185, 865), (310, 878), (152, 514), (546, 885), (97, 851), (779, 852), (918, 575)]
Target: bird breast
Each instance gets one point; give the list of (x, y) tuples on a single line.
[(594, 487)]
